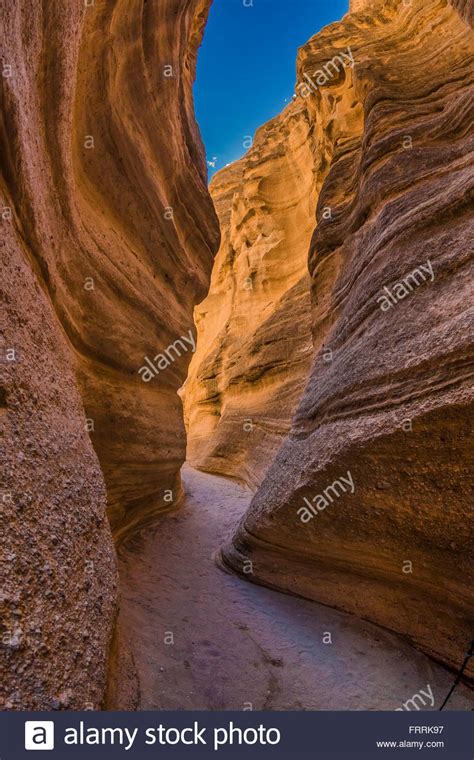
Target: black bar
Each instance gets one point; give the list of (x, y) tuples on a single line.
[(315, 735)]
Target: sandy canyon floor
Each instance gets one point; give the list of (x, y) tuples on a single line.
[(206, 640)]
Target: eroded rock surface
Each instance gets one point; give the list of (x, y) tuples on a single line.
[(254, 331), (58, 593), (388, 398), (106, 171), (109, 234)]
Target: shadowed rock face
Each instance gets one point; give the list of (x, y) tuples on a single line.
[(59, 583), (254, 331), (106, 173), (389, 410), (465, 8), (108, 236)]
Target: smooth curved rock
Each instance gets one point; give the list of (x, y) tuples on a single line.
[(109, 236), (387, 403), (107, 175)]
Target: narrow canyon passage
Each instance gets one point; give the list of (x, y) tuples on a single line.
[(203, 639), (312, 298)]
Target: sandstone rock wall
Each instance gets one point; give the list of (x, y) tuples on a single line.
[(107, 176), (465, 8), (109, 234), (359, 5), (254, 334), (59, 583), (389, 411)]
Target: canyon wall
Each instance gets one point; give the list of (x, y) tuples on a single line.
[(106, 171), (254, 332), (359, 5), (465, 9), (365, 506), (59, 581), (108, 240)]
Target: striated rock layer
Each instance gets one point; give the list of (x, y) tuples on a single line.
[(366, 505), (106, 171), (109, 234), (254, 331)]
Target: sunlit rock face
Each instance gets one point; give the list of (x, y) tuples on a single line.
[(254, 332), (109, 234), (359, 5), (365, 506)]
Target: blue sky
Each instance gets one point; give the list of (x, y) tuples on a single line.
[(246, 66)]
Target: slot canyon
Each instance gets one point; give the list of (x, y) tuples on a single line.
[(279, 518)]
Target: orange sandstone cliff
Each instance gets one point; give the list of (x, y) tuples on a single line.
[(254, 332), (365, 505), (108, 239)]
